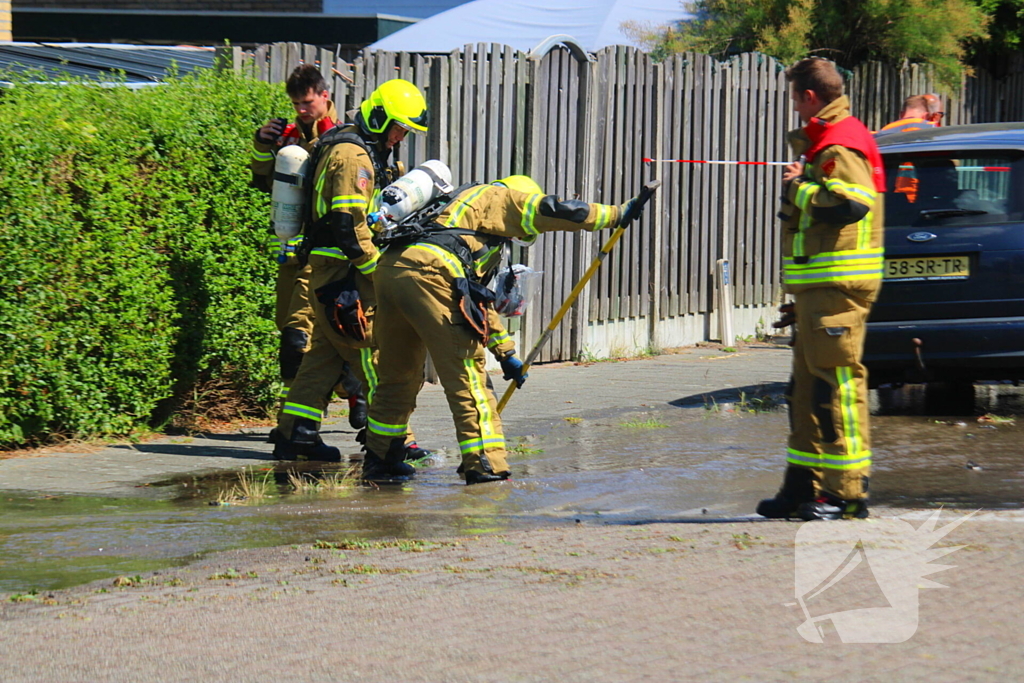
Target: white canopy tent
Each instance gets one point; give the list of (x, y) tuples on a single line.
[(524, 24)]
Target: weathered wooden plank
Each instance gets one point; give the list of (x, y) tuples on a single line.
[(605, 134), (493, 114)]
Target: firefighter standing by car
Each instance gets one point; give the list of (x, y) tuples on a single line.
[(833, 260), (349, 165), (293, 315), (430, 298)]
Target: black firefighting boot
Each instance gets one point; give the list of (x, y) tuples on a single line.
[(828, 507), (475, 476), (305, 444), (798, 487), (414, 453), (392, 468)]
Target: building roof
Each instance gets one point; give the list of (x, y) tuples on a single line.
[(524, 24), (140, 64), (416, 9)]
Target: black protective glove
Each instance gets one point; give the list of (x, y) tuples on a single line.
[(513, 369), (630, 211)]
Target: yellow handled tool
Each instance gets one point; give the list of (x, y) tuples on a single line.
[(645, 194)]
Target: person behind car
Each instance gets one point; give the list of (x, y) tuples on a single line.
[(915, 115)]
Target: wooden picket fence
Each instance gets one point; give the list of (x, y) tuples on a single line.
[(582, 126)]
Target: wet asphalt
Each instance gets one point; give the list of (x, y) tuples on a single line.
[(694, 435)]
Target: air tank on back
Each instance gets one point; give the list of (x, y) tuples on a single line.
[(414, 190)]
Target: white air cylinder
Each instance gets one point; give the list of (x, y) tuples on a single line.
[(287, 194), (415, 189)]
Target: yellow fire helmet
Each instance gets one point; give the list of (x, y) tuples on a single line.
[(397, 101), (522, 183)]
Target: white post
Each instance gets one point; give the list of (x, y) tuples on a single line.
[(724, 277)]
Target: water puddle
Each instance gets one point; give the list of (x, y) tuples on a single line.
[(711, 461)]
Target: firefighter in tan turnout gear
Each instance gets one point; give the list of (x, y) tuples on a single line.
[(349, 165), (832, 249), (430, 298), (293, 314)]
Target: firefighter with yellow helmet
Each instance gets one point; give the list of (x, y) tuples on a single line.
[(430, 298), (349, 166)]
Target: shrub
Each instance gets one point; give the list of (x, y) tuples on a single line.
[(134, 264)]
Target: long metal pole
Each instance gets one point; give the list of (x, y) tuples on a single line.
[(645, 195)]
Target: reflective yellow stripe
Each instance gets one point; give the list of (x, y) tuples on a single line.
[(530, 214), (490, 436), (370, 370), (386, 429), (497, 338), (604, 215), (321, 204), (832, 462), (332, 252), (348, 200), (299, 410), (290, 246), (370, 266), (804, 195), (463, 205), (838, 266), (477, 445), (482, 261), (449, 259), (262, 156), (864, 231), (860, 193), (848, 403)]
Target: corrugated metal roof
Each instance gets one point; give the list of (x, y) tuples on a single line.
[(140, 64)]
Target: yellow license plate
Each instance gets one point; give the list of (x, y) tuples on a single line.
[(928, 268)]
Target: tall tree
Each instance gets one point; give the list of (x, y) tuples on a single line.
[(935, 32)]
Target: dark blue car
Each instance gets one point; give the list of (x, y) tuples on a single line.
[(952, 303)]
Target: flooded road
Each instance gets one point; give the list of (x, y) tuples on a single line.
[(703, 461)]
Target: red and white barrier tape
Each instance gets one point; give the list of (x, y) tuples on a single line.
[(716, 161)]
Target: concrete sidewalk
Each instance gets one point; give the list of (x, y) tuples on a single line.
[(550, 394)]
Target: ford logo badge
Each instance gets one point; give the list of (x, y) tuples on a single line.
[(920, 236)]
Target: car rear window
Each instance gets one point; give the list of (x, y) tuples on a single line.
[(936, 189)]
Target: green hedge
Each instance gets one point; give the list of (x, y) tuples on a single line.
[(134, 268)]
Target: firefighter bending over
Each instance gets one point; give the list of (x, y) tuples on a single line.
[(430, 298)]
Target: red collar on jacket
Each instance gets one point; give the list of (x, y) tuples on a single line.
[(292, 132), (850, 133)]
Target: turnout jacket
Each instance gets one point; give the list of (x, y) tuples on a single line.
[(495, 212), (832, 215), (262, 164), (345, 190), (295, 133)]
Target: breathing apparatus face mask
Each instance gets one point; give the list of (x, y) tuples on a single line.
[(514, 287)]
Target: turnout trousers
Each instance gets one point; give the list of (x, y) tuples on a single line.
[(828, 411), (293, 316), (417, 313), (323, 365)]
